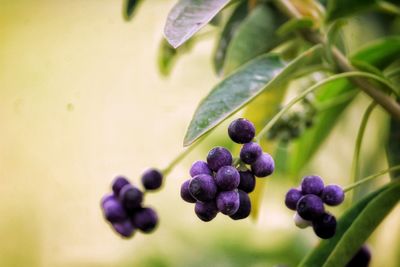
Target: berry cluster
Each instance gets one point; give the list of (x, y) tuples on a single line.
[(308, 202), (222, 184), (124, 209)]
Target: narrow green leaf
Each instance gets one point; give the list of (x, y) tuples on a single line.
[(129, 8), (342, 8), (393, 146), (188, 16), (227, 97), (167, 55), (256, 35), (294, 25)]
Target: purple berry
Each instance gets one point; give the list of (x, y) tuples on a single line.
[(250, 152), (292, 197), (206, 211), (310, 207), (228, 202), (152, 179), (203, 187), (332, 195), (124, 228), (244, 207), (263, 166), (130, 197), (200, 167), (325, 226), (312, 185), (118, 183), (247, 181), (227, 178), (113, 211), (185, 194), (361, 258), (241, 131), (107, 198), (145, 220), (219, 157)]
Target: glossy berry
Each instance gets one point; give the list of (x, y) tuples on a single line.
[(244, 206), (118, 183), (113, 211), (332, 195), (203, 187), (107, 198), (227, 178), (250, 152), (228, 202), (124, 228), (300, 222), (200, 167), (145, 220), (219, 157), (152, 179), (361, 258), (312, 185), (185, 194), (130, 197), (263, 166), (241, 131), (247, 181), (310, 207), (206, 211), (325, 226), (292, 197)]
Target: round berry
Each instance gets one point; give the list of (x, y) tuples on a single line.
[(227, 178), (250, 152), (247, 181), (310, 207), (263, 166), (118, 183), (332, 195), (300, 222), (124, 228), (203, 187), (145, 220), (200, 167), (130, 197), (185, 194), (206, 211), (152, 179), (113, 211), (107, 198), (312, 185), (219, 157), (244, 207), (361, 258), (292, 197), (228, 202), (241, 131), (325, 226)]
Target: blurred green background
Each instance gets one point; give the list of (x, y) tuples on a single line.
[(81, 101)]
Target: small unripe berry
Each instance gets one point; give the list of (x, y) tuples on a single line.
[(250, 152), (310, 207), (130, 197), (244, 207), (145, 220), (185, 194), (219, 157), (113, 211), (361, 258), (227, 178), (300, 222), (152, 179), (247, 181), (332, 195), (200, 167), (124, 228), (325, 226), (263, 166), (118, 183), (203, 187), (241, 131), (228, 202), (312, 185), (206, 211), (292, 197)]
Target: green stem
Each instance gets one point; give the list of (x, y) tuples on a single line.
[(371, 177)]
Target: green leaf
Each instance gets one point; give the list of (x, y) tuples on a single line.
[(256, 35), (167, 55), (188, 16), (238, 15), (294, 25), (393, 146), (129, 8), (227, 97), (341, 8)]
